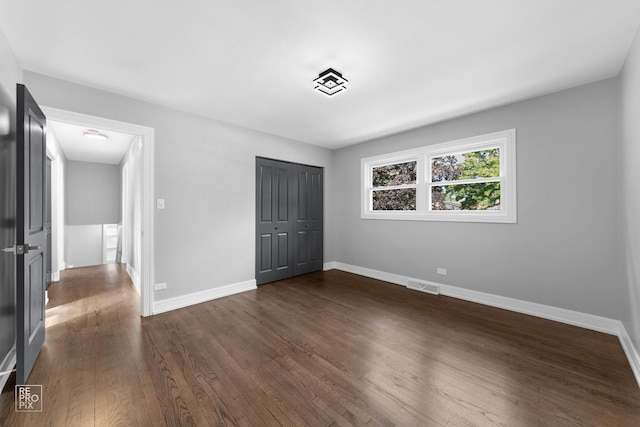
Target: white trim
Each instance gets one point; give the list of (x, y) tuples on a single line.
[(148, 236), (504, 140), (7, 365), (575, 318), (182, 301), (329, 266), (588, 321), (135, 278), (146, 135), (374, 274), (630, 351), (55, 276)]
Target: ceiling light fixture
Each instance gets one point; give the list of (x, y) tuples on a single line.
[(330, 82), (94, 134)]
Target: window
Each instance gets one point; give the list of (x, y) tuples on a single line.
[(473, 180), (394, 187)]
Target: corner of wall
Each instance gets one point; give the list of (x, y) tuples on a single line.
[(629, 202), (631, 352)]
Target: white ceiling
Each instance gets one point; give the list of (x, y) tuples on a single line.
[(82, 149), (252, 62)]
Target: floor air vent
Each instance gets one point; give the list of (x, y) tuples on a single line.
[(424, 287)]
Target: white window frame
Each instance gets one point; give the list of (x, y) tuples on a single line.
[(504, 140)]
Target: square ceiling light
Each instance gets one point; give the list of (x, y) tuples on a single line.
[(330, 82)]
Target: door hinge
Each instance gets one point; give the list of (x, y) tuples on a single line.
[(21, 249)]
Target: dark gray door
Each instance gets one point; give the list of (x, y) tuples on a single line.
[(307, 247), (31, 233), (288, 220), (274, 221)]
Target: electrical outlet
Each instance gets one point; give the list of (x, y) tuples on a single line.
[(441, 271), (160, 286), (160, 203)]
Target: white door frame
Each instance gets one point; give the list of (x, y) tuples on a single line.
[(124, 244), (146, 135)]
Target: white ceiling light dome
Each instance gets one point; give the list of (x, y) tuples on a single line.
[(95, 135)]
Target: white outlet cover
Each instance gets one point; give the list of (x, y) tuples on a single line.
[(442, 271)]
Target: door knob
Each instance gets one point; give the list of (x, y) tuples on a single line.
[(21, 249)]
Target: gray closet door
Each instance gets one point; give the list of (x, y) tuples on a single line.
[(307, 247), (274, 221), (288, 220)]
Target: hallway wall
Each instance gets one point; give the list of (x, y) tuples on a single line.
[(131, 168), (93, 198), (93, 193)]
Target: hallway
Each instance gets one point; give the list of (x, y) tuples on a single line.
[(91, 366)]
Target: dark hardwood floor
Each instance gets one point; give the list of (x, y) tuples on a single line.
[(326, 349)]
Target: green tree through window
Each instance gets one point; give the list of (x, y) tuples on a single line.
[(467, 180)]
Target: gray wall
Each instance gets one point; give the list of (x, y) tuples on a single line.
[(562, 252), (93, 198), (7, 230), (630, 194), (10, 74), (205, 170), (10, 69), (93, 193)]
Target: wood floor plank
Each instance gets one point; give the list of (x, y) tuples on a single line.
[(325, 349)]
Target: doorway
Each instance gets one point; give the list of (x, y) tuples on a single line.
[(289, 219), (143, 150)]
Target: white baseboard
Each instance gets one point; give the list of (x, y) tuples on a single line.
[(588, 321), (374, 274), (329, 266), (203, 296), (7, 366), (576, 318), (55, 277), (632, 353), (135, 278)]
